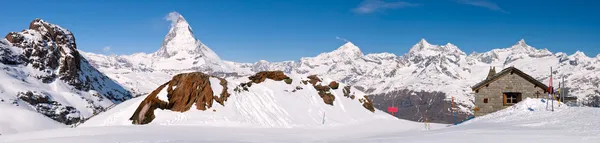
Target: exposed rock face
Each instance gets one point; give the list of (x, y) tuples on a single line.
[(144, 114), (183, 91), (417, 106), (274, 75), (313, 79), (367, 103), (224, 94), (52, 51), (44, 104)]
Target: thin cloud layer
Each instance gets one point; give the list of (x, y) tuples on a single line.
[(172, 16), (371, 6), (106, 49), (483, 3), (343, 39)]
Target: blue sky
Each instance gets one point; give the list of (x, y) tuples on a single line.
[(278, 30)]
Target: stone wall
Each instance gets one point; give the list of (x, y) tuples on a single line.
[(494, 93)]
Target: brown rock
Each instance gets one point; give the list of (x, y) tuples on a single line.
[(313, 79), (346, 91), (144, 114), (183, 91), (224, 95), (334, 85), (274, 75), (367, 103), (324, 93)]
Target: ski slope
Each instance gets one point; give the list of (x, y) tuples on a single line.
[(526, 122)]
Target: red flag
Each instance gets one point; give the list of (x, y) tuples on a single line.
[(392, 109), (550, 88)]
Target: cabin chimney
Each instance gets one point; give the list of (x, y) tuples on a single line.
[(491, 73)]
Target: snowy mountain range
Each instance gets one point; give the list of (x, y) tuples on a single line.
[(48, 75), (391, 80), (46, 83)]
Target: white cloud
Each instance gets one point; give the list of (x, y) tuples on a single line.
[(173, 16), (483, 3), (106, 49), (343, 39), (370, 6)]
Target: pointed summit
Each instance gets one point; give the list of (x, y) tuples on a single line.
[(181, 41), (522, 45), (348, 49), (579, 54), (423, 42), (522, 42)]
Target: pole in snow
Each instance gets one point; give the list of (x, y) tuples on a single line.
[(453, 110), (323, 118)]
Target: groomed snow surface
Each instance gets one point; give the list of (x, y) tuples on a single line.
[(528, 122)]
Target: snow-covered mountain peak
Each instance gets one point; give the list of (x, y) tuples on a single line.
[(521, 48), (522, 42), (579, 55), (181, 41), (423, 43), (521, 45), (424, 48), (348, 48), (346, 51)]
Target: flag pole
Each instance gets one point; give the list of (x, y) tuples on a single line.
[(551, 89)]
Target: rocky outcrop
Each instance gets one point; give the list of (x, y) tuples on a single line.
[(44, 104), (274, 75), (144, 114), (313, 79), (224, 94), (52, 51), (334, 85), (347, 91), (183, 91), (367, 103)]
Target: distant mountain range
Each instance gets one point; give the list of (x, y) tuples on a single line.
[(426, 69)]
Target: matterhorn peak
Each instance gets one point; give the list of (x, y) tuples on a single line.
[(181, 41)]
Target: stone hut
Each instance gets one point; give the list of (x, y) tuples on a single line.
[(504, 89)]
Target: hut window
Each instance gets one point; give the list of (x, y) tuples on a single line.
[(511, 98), (485, 100)]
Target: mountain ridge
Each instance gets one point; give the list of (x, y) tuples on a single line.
[(425, 69)]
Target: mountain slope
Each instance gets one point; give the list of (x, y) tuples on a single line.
[(43, 72), (269, 99)]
